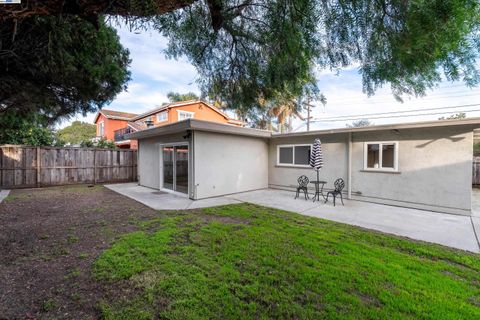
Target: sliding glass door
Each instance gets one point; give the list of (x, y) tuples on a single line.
[(175, 168)]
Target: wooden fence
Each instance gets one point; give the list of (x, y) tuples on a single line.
[(27, 167)]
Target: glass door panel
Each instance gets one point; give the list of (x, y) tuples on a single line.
[(181, 169), (168, 182)]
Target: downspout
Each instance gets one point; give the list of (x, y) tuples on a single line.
[(193, 187), (349, 168)]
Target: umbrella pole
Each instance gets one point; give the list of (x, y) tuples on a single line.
[(318, 179)]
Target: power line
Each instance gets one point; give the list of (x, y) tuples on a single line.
[(392, 116), (363, 116), (385, 100)]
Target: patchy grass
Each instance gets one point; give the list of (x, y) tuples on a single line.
[(247, 261), (49, 305)]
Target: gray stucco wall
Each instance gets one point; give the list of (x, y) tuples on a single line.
[(335, 159), (226, 164), (435, 167), (435, 170), (149, 159)]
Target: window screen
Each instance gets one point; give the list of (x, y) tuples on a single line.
[(302, 155), (373, 156), (388, 154), (285, 155)]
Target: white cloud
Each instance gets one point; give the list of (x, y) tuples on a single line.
[(153, 75)]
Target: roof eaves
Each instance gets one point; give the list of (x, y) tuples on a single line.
[(200, 125), (400, 126)]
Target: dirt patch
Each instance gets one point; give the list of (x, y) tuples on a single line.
[(224, 219), (368, 299), (49, 239)]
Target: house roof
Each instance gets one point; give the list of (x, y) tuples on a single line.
[(200, 125), (137, 126), (183, 103), (116, 115), (473, 122)]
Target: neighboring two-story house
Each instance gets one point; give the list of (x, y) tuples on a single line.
[(109, 121), (114, 125)]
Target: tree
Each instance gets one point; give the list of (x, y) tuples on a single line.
[(360, 123), (30, 130), (460, 115), (59, 66), (245, 50), (176, 97), (92, 9), (77, 132), (102, 143), (251, 49)]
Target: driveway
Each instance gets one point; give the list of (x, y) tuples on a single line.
[(450, 230)]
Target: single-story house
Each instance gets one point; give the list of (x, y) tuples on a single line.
[(424, 165)]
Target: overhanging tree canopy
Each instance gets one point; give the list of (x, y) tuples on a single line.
[(59, 66), (251, 50), (261, 48)]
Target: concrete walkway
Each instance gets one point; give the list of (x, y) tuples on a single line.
[(165, 201), (3, 194), (446, 229)]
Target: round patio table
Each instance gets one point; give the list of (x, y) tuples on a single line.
[(318, 189)]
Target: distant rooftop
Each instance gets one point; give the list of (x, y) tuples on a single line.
[(112, 114)]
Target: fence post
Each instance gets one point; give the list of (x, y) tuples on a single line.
[(1, 167), (39, 163), (94, 166)]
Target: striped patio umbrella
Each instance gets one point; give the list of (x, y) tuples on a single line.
[(316, 157)]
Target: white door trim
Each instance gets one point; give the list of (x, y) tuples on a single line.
[(173, 144)]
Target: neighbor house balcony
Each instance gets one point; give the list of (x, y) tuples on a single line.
[(119, 135)]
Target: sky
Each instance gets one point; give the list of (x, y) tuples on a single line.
[(153, 76)]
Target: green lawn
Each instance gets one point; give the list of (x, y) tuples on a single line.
[(247, 261)]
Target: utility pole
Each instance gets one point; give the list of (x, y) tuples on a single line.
[(308, 114)]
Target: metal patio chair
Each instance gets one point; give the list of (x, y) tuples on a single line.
[(339, 184), (302, 186)]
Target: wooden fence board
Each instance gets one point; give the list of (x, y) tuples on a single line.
[(25, 167)]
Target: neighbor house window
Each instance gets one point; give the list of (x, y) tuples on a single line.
[(294, 155), (101, 129), (162, 116), (381, 156), (183, 115)]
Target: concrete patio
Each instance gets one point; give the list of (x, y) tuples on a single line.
[(446, 229), (3, 194)]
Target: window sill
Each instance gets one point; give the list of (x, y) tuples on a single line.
[(292, 166), (381, 171)]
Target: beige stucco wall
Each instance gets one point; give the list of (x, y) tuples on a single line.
[(149, 158), (435, 167), (435, 170), (226, 164)]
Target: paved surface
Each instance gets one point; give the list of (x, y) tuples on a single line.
[(446, 229), (163, 200), (3, 194)]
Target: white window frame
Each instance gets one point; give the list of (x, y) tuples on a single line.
[(162, 113), (101, 129), (380, 156), (293, 151), (185, 112)]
